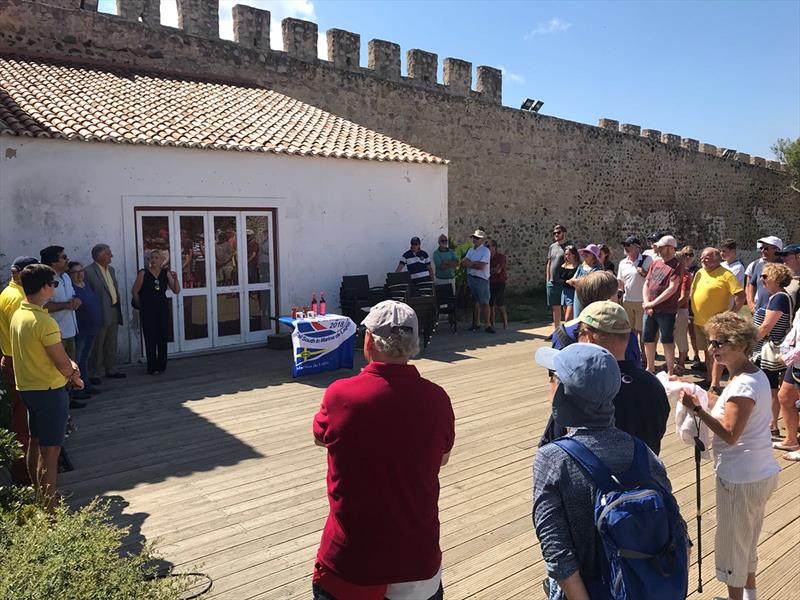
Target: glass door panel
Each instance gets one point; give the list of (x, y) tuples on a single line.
[(230, 262), (155, 231), (195, 308), (260, 276)]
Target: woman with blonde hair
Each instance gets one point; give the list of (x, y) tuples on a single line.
[(774, 321), (746, 471)]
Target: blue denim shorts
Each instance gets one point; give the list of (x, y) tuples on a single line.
[(662, 323), (479, 288), (48, 411)]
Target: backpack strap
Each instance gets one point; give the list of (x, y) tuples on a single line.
[(603, 478), (639, 470), (563, 337)]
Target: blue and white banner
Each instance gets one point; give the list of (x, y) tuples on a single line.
[(323, 344)]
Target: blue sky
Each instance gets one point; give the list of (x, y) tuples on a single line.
[(723, 72)]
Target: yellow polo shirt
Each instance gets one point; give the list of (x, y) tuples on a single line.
[(711, 293), (109, 283), (32, 330), (10, 299)]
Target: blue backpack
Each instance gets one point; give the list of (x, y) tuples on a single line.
[(637, 520)]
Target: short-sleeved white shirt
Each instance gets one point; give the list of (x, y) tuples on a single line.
[(737, 268), (750, 458), (65, 318), (634, 283), (479, 254)]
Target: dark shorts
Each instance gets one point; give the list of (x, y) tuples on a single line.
[(661, 323), (775, 378), (793, 379), (479, 287), (554, 289), (497, 293), (48, 411)]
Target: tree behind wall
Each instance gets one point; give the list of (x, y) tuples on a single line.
[(788, 152)]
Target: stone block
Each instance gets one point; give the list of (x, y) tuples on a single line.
[(630, 129), (708, 149), (300, 38), (90, 5), (344, 49), (774, 165), (758, 161), (608, 124), (422, 66), (690, 144), (384, 58), (490, 84), (146, 11), (670, 139), (457, 75), (652, 134), (199, 17), (742, 157), (251, 27)]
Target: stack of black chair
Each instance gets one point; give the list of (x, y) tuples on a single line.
[(446, 304), (355, 294)]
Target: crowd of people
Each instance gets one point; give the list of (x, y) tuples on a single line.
[(58, 336), (388, 430), (486, 274)]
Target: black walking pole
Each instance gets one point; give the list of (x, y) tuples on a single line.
[(699, 447)]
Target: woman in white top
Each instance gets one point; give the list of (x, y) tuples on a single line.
[(747, 472)]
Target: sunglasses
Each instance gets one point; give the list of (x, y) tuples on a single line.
[(54, 283), (557, 231), (717, 343), (690, 254), (764, 277)]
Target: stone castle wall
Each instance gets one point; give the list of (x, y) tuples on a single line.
[(512, 172)]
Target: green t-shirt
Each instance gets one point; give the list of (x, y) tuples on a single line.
[(438, 257)]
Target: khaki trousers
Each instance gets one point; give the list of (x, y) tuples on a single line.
[(105, 348)]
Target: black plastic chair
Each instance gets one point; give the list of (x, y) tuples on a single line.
[(356, 294), (427, 311), (395, 278)]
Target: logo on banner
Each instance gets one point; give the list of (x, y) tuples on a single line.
[(323, 345)]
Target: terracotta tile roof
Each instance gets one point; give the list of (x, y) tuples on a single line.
[(61, 100)]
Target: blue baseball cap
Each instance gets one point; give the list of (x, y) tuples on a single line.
[(789, 249), (589, 381), (23, 261)]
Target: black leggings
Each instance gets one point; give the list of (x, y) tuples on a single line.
[(155, 327)]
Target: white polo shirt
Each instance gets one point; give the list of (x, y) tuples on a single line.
[(65, 318), (633, 282), (479, 254)]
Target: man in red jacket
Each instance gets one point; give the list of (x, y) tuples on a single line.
[(387, 431)]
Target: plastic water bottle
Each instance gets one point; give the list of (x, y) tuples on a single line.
[(322, 306)]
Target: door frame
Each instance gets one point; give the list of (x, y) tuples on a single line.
[(132, 205)]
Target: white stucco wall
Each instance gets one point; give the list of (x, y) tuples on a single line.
[(334, 216)]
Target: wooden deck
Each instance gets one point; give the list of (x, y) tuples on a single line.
[(215, 461)]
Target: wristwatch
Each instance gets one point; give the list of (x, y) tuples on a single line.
[(697, 408)]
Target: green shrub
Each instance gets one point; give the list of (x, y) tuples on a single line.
[(74, 555), (69, 555)]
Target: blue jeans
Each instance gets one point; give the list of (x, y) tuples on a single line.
[(83, 349)]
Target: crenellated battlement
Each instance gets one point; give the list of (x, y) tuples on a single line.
[(198, 24), (676, 141)]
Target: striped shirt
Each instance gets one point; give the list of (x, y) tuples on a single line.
[(779, 302), (416, 264)]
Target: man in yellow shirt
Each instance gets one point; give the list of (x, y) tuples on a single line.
[(42, 370), (713, 288), (10, 299)]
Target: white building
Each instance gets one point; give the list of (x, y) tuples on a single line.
[(260, 200)]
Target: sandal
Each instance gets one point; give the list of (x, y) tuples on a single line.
[(776, 433), (793, 456), (782, 446)]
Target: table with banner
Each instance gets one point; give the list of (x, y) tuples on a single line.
[(322, 343)]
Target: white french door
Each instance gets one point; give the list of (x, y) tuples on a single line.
[(225, 264)]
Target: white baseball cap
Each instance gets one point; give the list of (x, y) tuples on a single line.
[(386, 315), (772, 241), (667, 240)]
